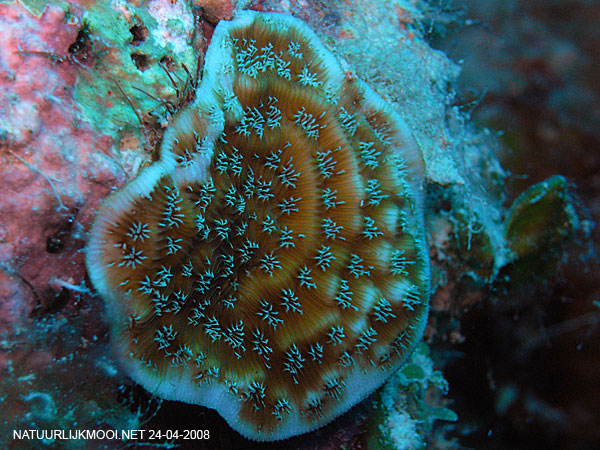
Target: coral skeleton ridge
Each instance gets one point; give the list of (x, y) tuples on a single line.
[(272, 263)]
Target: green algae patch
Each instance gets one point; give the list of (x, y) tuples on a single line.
[(133, 48), (404, 410), (540, 218), (413, 372), (538, 227)]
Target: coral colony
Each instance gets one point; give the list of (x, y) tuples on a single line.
[(272, 263)]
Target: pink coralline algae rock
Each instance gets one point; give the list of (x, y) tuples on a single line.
[(215, 10), (53, 168), (11, 311)]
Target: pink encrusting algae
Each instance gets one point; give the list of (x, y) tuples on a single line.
[(51, 160)]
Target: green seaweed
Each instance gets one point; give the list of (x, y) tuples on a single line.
[(539, 224), (403, 412)]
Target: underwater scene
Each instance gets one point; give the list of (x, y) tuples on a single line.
[(299, 224)]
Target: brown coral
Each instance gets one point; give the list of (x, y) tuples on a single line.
[(272, 263)]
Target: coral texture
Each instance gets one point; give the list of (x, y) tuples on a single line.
[(272, 263)]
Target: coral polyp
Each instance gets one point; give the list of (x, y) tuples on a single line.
[(272, 263)]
